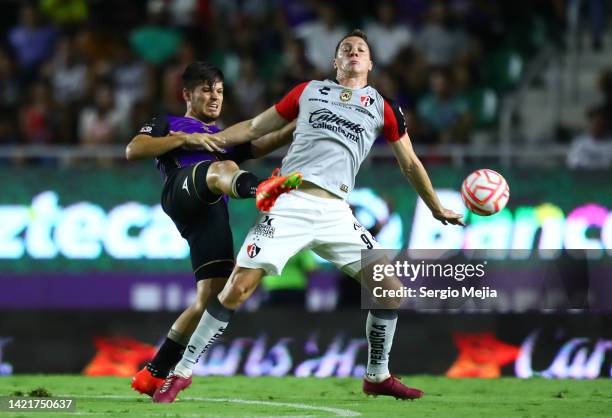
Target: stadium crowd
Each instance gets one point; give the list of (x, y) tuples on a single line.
[(91, 72)]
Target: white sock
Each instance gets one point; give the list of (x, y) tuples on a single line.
[(380, 328), (212, 325)]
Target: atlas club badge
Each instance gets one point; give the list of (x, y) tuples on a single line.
[(346, 94)]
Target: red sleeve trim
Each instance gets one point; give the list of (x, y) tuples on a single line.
[(289, 106), (394, 125)]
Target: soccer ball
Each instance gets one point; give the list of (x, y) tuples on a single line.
[(485, 192)]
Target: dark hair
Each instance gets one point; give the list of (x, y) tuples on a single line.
[(358, 33), (199, 72)]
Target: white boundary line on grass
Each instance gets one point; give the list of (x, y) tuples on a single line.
[(339, 412)]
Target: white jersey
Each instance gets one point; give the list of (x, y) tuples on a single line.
[(336, 127)]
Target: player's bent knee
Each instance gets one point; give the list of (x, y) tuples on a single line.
[(221, 168), (219, 175)]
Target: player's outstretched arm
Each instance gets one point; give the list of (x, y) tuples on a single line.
[(249, 130), (272, 141), (414, 171), (145, 146)]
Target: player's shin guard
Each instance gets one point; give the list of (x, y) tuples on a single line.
[(244, 185), (211, 326), (380, 328)]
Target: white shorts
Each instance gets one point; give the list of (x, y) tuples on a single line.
[(300, 221)]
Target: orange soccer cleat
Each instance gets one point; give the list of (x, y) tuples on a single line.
[(145, 383), (269, 190)]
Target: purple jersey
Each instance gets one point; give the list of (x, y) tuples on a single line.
[(162, 125)]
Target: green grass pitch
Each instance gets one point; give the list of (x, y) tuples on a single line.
[(311, 397)]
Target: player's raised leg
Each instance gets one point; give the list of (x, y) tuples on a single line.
[(153, 374), (225, 177), (211, 327)]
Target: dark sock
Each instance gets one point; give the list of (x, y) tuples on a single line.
[(246, 185), (168, 355)]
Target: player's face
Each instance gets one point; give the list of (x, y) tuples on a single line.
[(353, 57), (206, 100)]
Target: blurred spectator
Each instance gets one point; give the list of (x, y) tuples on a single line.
[(10, 88), (443, 112), (321, 36), (438, 40), (295, 66), (32, 41), (181, 12), (155, 42), (65, 12), (172, 82), (102, 122), (68, 74), (387, 85), (411, 72), (592, 149), (38, 116), (386, 35), (131, 78), (249, 89), (96, 45), (597, 17)]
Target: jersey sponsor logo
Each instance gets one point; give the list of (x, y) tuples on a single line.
[(253, 250), (344, 188), (326, 119), (353, 107), (324, 91), (147, 129), (346, 94), (185, 186), (314, 99), (366, 100), (265, 228)]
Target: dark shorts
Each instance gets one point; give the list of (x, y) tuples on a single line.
[(202, 219)]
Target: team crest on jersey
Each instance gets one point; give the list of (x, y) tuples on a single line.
[(253, 250), (366, 100), (346, 94)]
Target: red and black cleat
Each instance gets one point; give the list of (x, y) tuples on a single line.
[(391, 387), (269, 190), (145, 383), (171, 387)]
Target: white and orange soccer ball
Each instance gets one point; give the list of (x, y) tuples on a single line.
[(485, 192)]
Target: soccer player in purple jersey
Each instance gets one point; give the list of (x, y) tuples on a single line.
[(198, 176), (337, 123)]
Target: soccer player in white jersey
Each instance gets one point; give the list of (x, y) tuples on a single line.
[(337, 123)]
